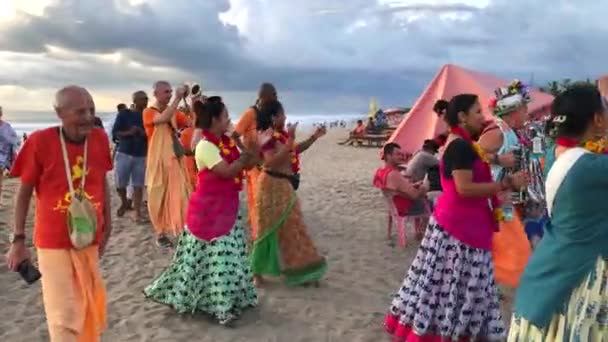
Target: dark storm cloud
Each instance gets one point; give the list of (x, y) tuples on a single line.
[(308, 46)]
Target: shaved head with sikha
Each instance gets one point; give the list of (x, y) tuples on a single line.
[(75, 107), (162, 92)]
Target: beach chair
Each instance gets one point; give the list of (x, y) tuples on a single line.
[(401, 222)]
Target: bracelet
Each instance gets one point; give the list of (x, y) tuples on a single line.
[(17, 237)]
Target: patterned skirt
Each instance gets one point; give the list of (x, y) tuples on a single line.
[(208, 277), (448, 294), (584, 318), (282, 246)]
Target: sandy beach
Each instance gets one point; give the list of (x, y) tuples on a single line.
[(346, 218)]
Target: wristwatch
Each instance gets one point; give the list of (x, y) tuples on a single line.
[(17, 237)]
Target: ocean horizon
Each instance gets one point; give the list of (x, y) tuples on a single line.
[(30, 121)]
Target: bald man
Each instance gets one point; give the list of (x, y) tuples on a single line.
[(167, 181), (72, 290), (246, 129)]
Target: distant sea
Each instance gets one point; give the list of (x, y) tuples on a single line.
[(30, 121)]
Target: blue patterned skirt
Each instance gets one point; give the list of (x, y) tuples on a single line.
[(448, 293)]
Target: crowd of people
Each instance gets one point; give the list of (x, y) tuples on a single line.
[(475, 238), (189, 166), (224, 199)]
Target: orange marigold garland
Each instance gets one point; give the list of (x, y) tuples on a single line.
[(283, 137), (228, 150)]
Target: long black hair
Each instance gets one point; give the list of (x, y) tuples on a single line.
[(573, 110), (206, 111), (267, 112), (459, 103)]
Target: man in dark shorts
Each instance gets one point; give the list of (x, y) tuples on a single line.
[(417, 169), (130, 160)]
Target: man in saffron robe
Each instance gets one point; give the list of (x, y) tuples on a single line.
[(167, 180), (246, 128), (72, 289)]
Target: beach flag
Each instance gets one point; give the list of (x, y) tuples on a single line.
[(373, 108)]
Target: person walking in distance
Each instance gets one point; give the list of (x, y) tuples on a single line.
[(131, 155)]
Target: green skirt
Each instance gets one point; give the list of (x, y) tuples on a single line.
[(208, 277)]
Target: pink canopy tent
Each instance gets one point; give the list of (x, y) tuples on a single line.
[(602, 84), (422, 123)]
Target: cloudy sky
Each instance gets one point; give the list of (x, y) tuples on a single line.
[(323, 55)]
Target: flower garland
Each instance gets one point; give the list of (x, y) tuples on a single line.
[(594, 146), (283, 137), (509, 98), (228, 151), (496, 209)]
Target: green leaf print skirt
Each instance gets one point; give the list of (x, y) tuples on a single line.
[(208, 277)]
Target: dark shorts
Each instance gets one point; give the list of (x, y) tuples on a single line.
[(129, 170), (418, 207)]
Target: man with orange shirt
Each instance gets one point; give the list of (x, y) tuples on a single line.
[(185, 139), (246, 128), (72, 289), (167, 180)]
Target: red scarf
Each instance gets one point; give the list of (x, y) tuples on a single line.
[(228, 151), (487, 170), (592, 146), (282, 137), (566, 142)]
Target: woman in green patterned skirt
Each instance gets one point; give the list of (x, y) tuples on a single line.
[(210, 271)]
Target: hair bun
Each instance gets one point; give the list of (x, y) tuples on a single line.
[(198, 106)]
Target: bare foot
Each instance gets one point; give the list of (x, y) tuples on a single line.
[(258, 281), (140, 219)]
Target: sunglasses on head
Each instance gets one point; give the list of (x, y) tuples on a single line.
[(214, 99)]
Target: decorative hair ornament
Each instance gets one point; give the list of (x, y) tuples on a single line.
[(559, 119), (509, 98)]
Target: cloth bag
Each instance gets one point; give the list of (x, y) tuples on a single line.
[(81, 215)]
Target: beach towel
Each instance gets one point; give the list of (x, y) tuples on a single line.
[(167, 182), (73, 293)]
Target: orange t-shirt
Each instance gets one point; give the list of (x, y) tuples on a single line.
[(246, 127), (148, 118), (40, 163)]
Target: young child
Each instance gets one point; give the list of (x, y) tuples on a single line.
[(535, 222)]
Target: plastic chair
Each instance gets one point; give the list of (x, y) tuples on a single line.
[(401, 222)]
